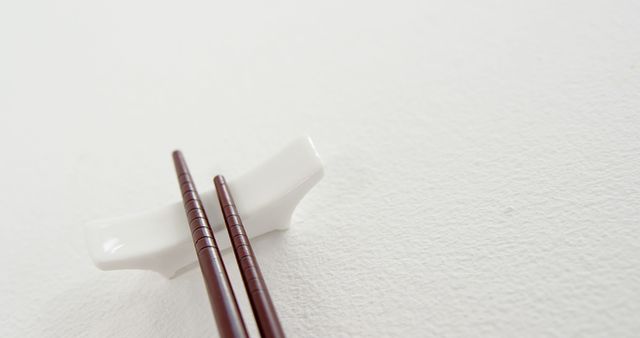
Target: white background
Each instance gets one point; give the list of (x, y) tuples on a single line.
[(483, 161)]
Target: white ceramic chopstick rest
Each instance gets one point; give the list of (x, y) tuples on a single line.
[(159, 239)]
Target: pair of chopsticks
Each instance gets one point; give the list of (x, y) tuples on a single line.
[(223, 302)]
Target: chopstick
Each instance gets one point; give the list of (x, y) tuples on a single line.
[(261, 304), (223, 301)]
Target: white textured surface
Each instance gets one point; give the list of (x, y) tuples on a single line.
[(483, 161)]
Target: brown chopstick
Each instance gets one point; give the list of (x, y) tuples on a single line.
[(221, 297), (261, 304)]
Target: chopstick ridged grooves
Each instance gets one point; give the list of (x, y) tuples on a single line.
[(223, 301), (261, 304)]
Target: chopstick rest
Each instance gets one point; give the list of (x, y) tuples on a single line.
[(157, 239)]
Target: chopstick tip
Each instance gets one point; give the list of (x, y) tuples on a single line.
[(177, 155), (219, 179)]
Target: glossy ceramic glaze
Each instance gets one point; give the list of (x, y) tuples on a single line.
[(159, 239)]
